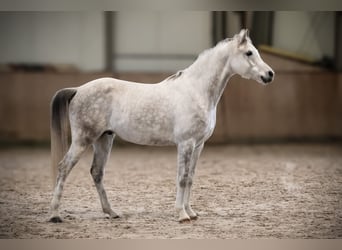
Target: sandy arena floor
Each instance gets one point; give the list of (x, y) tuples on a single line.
[(267, 191)]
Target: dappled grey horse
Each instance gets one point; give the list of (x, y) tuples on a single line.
[(180, 110)]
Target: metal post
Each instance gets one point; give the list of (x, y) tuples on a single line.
[(219, 26), (109, 41), (262, 27), (214, 27), (338, 41)]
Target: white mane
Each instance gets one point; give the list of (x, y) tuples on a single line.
[(203, 58), (208, 53)]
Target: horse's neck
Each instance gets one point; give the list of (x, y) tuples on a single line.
[(210, 74)]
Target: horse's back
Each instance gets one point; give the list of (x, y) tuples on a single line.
[(132, 110), (114, 82)]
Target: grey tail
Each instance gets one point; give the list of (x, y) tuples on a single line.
[(59, 128)]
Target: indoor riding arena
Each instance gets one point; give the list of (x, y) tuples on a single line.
[(272, 169)]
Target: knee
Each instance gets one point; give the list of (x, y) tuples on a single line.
[(96, 174), (185, 181)]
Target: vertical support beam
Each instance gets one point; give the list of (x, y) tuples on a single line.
[(243, 20), (109, 52), (214, 27), (338, 41), (218, 26), (262, 27), (223, 25)]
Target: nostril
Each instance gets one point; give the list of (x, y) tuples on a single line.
[(270, 73)]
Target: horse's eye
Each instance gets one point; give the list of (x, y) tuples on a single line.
[(249, 53)]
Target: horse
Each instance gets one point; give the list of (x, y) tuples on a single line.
[(179, 111)]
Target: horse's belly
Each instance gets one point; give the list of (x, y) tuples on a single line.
[(146, 129), (147, 137)]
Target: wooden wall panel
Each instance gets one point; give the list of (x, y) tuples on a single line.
[(25, 102), (294, 106), (303, 102)]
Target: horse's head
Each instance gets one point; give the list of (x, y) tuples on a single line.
[(246, 60)]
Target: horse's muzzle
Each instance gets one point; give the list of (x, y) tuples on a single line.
[(268, 78)]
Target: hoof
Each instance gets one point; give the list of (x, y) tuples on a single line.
[(111, 213), (192, 214), (194, 217), (114, 216), (184, 220), (56, 219)]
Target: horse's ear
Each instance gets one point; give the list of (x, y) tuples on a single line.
[(243, 36)]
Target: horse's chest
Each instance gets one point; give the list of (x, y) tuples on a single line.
[(203, 124), (211, 122)]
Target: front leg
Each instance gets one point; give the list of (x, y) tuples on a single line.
[(196, 153), (185, 152)]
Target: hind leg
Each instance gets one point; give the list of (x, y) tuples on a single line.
[(64, 168), (102, 149)]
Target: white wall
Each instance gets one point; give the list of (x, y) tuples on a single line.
[(78, 37), (53, 37), (308, 33), (159, 33)]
